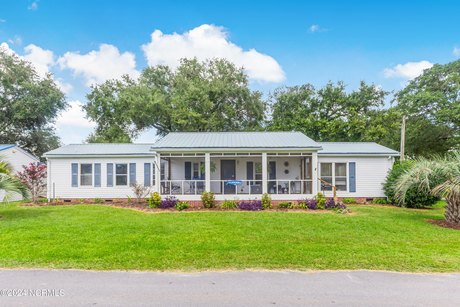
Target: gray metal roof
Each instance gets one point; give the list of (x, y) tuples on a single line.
[(355, 148), (6, 146), (235, 140), (107, 149)]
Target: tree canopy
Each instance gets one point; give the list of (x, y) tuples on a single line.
[(29, 105)]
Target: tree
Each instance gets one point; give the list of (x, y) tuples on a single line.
[(440, 177), (9, 184), (198, 96), (330, 113), (33, 177), (432, 104), (29, 105)]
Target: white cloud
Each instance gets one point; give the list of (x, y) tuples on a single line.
[(40, 58), (2, 20), (16, 40), (206, 42), (456, 51), (33, 6), (316, 28), (409, 70), (5, 47), (74, 116), (100, 65)]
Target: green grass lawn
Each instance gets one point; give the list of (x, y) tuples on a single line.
[(101, 237)]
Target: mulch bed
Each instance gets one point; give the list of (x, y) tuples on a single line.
[(444, 224)]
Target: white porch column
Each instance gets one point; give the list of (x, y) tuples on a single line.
[(314, 172), (157, 171), (264, 173), (207, 172)]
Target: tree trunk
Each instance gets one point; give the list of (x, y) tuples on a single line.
[(453, 210)]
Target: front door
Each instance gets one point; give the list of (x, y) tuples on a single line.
[(227, 172)]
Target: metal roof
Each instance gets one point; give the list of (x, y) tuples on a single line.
[(6, 146), (355, 148), (235, 140), (106, 149)]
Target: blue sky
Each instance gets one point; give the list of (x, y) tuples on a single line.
[(279, 42)]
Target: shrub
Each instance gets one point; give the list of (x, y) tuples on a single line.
[(349, 200), (285, 205), (302, 205), (250, 205), (330, 204), (266, 201), (98, 201), (229, 204), (320, 200), (312, 204), (380, 201), (33, 176), (42, 200), (415, 198), (154, 200), (168, 202), (208, 199), (140, 191), (181, 205), (341, 208)]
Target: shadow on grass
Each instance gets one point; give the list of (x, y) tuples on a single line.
[(19, 214)]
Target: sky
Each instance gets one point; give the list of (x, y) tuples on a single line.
[(279, 43)]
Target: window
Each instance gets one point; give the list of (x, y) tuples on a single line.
[(86, 174), (335, 174), (258, 172), (121, 174), (326, 175), (196, 171)]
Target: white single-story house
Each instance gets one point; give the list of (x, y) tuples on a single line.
[(18, 158), (232, 165)]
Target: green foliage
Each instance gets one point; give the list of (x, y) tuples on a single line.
[(229, 204), (208, 199), (10, 184), (285, 205), (212, 95), (414, 197), (98, 201), (321, 200), (381, 201), (182, 205), (29, 105), (154, 200), (349, 200), (266, 201)]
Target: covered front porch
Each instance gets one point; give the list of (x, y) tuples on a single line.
[(285, 175)]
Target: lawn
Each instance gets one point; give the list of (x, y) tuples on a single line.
[(106, 238)]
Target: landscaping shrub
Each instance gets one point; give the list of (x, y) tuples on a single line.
[(229, 204), (415, 198), (140, 192), (250, 205), (380, 201), (182, 205), (208, 199), (266, 201), (349, 200), (341, 208), (168, 202), (320, 200), (285, 205), (330, 204), (98, 201), (312, 204), (154, 200)]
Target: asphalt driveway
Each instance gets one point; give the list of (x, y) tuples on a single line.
[(248, 288)]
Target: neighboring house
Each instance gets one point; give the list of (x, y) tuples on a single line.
[(17, 157), (241, 165)]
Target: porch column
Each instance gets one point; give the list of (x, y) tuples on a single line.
[(264, 173), (157, 171), (314, 173), (207, 172)]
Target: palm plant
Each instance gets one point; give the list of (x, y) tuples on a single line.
[(9, 183), (440, 176)]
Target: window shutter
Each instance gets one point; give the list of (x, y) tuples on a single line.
[(272, 170), (249, 170), (352, 176), (188, 170), (147, 172), (132, 173), (74, 174), (97, 174), (110, 174)]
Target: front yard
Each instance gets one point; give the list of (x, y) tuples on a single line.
[(106, 238)]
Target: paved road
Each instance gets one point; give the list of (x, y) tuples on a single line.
[(355, 288)]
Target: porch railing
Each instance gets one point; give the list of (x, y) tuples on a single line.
[(182, 187), (281, 186)]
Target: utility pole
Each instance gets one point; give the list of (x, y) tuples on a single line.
[(403, 137)]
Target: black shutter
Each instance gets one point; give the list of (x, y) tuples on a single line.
[(188, 170)]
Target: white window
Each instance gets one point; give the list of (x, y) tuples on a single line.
[(121, 174), (334, 174), (258, 172), (86, 174)]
